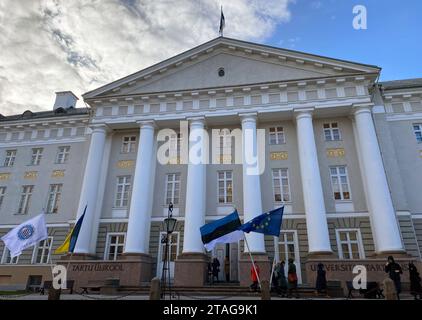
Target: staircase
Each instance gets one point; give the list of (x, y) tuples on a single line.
[(216, 290)]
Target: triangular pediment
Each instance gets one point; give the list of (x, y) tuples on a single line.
[(243, 63)]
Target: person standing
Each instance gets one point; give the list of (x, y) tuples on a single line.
[(292, 278), (321, 280), (254, 277), (280, 279), (215, 269), (415, 281), (394, 271)]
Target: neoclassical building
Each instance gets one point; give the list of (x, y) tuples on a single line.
[(339, 149)]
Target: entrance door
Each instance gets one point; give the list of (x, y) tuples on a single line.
[(173, 251), (288, 247), (234, 262), (219, 252)]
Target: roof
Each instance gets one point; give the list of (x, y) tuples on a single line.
[(58, 113), (401, 84), (223, 41)]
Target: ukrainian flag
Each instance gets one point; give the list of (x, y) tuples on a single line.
[(70, 241)]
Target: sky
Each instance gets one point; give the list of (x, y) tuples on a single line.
[(56, 45)]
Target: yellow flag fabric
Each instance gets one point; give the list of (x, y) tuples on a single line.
[(64, 248)]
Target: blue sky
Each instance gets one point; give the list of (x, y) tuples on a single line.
[(392, 40)]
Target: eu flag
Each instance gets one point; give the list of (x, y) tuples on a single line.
[(266, 223)]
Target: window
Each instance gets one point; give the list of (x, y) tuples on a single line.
[(173, 246), (7, 259), (331, 131), (281, 188), (287, 246), (62, 154), (349, 242), (115, 246), (2, 193), (54, 197), (36, 156), (225, 187), (418, 132), (41, 254), (225, 147), (340, 183), (122, 191), (25, 199), (175, 144), (172, 188), (277, 135), (9, 160), (129, 144)]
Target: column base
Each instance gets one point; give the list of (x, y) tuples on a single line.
[(324, 255), (191, 270), (79, 256), (396, 254), (341, 270), (131, 270), (245, 265)]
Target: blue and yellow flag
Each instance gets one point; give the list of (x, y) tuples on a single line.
[(70, 241), (266, 223)]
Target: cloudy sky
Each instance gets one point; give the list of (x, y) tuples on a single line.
[(55, 45)]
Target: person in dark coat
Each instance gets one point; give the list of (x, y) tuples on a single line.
[(415, 281), (215, 268), (321, 280), (292, 279), (280, 279), (394, 271)]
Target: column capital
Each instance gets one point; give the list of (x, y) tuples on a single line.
[(196, 122), (362, 107), (248, 117), (103, 128), (146, 124), (303, 112)]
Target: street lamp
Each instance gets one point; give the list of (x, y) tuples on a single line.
[(169, 226)]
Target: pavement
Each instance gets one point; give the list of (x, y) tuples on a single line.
[(92, 297)]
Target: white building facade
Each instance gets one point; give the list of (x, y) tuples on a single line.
[(341, 151)]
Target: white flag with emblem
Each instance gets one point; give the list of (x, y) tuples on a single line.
[(25, 235)]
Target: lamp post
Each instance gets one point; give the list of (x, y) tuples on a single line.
[(169, 226)]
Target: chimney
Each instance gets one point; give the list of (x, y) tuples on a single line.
[(65, 100)]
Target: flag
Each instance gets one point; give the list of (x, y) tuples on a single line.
[(70, 242), (26, 235), (224, 230), (231, 237), (266, 223), (222, 22)]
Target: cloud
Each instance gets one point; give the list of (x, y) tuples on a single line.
[(56, 45)]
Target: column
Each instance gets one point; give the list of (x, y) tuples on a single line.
[(383, 216), (252, 202), (142, 192), (89, 191), (196, 187), (316, 219)]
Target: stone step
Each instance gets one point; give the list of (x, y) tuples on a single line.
[(216, 290)]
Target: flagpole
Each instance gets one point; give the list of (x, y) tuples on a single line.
[(253, 262), (272, 273)]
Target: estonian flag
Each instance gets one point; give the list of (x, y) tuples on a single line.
[(70, 241), (225, 230), (222, 22), (266, 223)]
